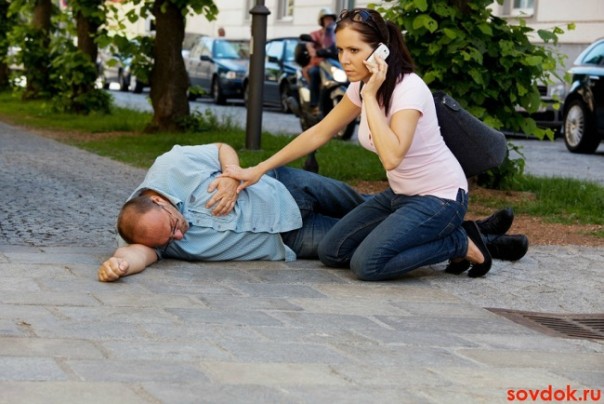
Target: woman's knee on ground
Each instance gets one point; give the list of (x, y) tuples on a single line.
[(329, 257)]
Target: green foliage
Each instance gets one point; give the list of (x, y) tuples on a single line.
[(488, 64), (507, 175), (205, 121), (74, 74)]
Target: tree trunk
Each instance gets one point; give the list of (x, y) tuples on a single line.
[(86, 28), (87, 31), (37, 72), (5, 26), (169, 80), (4, 76)]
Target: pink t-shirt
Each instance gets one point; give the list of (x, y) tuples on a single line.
[(429, 167)]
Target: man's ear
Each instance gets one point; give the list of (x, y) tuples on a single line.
[(157, 199)]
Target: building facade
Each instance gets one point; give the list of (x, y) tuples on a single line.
[(295, 17)]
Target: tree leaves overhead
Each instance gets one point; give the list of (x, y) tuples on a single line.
[(488, 64)]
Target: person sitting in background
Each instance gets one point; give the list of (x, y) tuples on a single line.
[(323, 46)]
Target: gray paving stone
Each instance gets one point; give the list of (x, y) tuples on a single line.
[(282, 352), (197, 331), (30, 369), (348, 394), (279, 290), (468, 378), (65, 298), (48, 347), (51, 392), (207, 316), (536, 359), (134, 371), (273, 374), (248, 303), (181, 350), (460, 325), (194, 393), (148, 300)]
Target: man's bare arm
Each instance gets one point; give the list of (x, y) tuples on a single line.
[(128, 260)]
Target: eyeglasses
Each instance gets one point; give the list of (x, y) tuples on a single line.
[(173, 228)]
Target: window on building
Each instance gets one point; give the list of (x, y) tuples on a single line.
[(285, 10), (343, 4), (523, 7)]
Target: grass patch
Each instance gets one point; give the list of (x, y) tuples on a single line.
[(119, 136), (556, 200)]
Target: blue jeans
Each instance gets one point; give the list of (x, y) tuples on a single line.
[(322, 202), (391, 234)]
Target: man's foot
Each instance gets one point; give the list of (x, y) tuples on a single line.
[(498, 223), (509, 247)]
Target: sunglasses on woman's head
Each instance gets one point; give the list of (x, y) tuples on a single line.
[(360, 15)]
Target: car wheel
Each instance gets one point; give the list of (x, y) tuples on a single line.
[(217, 92), (579, 131), (122, 81), (284, 95)]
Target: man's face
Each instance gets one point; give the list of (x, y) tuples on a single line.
[(327, 21), (159, 227)]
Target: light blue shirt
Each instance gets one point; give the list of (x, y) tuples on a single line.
[(251, 231)]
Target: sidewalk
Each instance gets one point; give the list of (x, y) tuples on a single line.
[(258, 332)]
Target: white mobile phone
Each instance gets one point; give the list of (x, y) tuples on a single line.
[(382, 51)]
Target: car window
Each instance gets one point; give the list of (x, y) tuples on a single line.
[(595, 56), (242, 48), (275, 49), (224, 50), (197, 50), (290, 49)]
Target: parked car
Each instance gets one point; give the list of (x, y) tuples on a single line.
[(116, 67), (218, 66), (280, 73), (188, 42), (113, 68), (549, 115), (583, 110)]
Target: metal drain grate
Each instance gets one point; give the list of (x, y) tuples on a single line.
[(587, 326)]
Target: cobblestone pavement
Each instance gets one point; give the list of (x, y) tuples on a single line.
[(259, 332)]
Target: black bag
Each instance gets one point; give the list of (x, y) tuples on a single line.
[(477, 146)]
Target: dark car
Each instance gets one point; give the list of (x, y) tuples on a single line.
[(280, 71), (583, 125), (218, 66)]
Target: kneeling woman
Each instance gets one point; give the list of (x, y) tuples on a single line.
[(418, 220)]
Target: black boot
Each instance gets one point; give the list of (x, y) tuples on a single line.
[(498, 223), (508, 247)]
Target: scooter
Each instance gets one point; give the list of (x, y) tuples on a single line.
[(333, 87)]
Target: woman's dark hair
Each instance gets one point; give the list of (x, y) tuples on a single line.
[(137, 206), (374, 29)]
